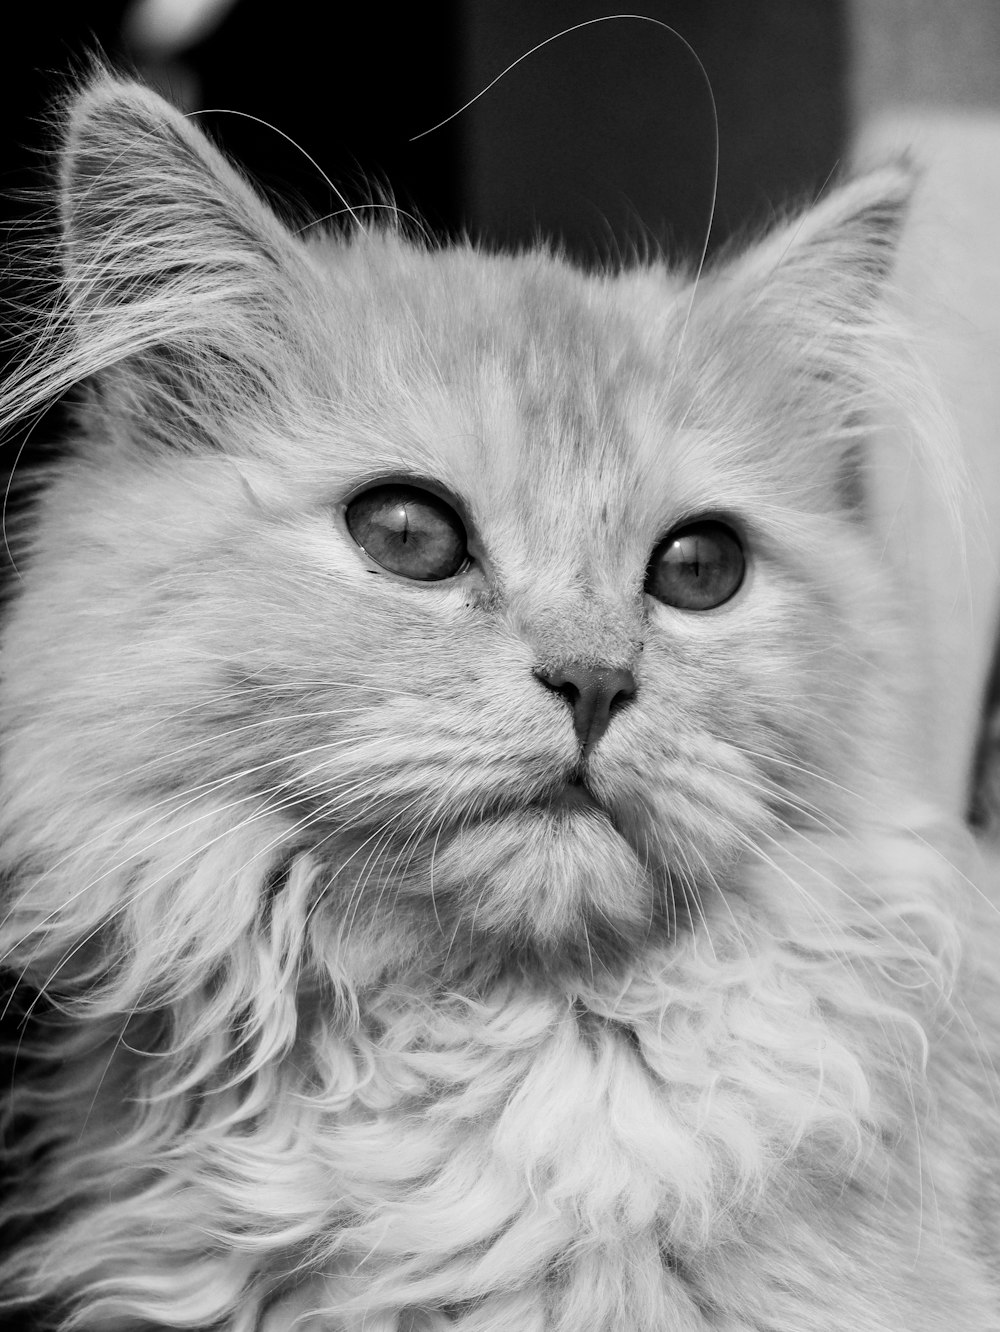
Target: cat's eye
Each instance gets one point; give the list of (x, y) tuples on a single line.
[(409, 531), (697, 567)]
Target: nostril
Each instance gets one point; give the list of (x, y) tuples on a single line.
[(622, 682), (565, 688), (561, 680), (593, 691)]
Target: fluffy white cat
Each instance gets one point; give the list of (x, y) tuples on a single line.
[(458, 829)]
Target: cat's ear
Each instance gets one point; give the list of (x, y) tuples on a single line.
[(841, 250), (810, 316), (175, 271)]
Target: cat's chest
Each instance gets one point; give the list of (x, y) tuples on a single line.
[(550, 1170)]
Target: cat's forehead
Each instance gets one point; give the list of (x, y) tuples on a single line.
[(522, 384)]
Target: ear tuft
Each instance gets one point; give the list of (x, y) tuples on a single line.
[(817, 338), (181, 288), (143, 193), (846, 244)]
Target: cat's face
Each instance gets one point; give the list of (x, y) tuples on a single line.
[(355, 600)]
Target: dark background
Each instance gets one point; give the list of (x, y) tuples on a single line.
[(605, 138)]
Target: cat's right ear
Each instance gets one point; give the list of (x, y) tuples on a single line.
[(175, 271), (145, 198)]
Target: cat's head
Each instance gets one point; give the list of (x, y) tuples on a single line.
[(446, 595)]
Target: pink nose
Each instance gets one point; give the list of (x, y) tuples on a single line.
[(593, 692)]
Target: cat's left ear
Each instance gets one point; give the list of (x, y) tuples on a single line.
[(841, 250), (811, 320)]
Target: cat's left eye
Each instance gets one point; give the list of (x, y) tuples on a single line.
[(697, 567), (409, 531)]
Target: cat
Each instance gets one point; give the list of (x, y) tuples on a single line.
[(464, 860)]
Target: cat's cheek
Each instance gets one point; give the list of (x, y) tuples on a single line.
[(694, 832)]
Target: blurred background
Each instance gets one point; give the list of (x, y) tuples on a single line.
[(607, 138), (604, 138)]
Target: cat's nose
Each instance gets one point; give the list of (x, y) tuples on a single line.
[(593, 692)]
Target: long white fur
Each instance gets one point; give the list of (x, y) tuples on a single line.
[(335, 1026)]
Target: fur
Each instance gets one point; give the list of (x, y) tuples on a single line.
[(332, 1021)]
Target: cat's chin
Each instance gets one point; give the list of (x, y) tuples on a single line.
[(554, 873)]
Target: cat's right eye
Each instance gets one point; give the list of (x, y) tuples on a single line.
[(409, 531)]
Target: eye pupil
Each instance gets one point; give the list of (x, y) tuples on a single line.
[(409, 531), (697, 567)]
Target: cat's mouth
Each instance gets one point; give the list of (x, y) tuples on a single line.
[(568, 797)]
